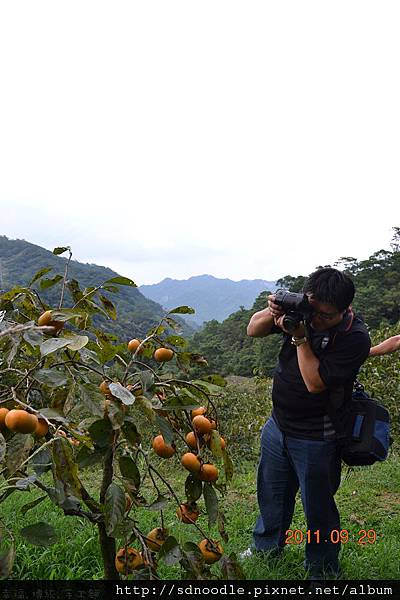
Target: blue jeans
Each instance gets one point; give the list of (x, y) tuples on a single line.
[(286, 464)]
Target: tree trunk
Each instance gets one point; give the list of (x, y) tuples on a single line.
[(108, 551), (107, 544)]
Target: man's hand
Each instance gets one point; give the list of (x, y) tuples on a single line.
[(275, 310), (299, 332), (278, 314), (262, 321)]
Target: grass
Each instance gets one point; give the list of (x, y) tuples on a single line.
[(368, 499)]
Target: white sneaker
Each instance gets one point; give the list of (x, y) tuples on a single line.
[(246, 554), (250, 552)]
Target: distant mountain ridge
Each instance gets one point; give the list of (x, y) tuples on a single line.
[(136, 314), (211, 297)]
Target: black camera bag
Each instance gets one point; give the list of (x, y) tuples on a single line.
[(364, 435), (363, 429)]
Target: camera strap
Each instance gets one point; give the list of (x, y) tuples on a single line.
[(335, 397)]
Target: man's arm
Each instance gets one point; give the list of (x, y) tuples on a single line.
[(262, 321), (261, 324), (309, 369), (390, 345), (308, 362)]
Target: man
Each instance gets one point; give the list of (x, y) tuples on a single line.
[(299, 449), (386, 347)]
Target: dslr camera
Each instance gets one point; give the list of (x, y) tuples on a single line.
[(296, 307)]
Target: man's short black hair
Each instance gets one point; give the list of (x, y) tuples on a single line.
[(330, 286)]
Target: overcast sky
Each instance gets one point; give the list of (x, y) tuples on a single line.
[(171, 139)]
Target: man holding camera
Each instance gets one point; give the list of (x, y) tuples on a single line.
[(324, 346)]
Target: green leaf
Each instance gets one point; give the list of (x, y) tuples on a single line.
[(170, 551), (33, 338), (221, 526), (121, 281), (215, 443), (114, 507), (48, 283), (119, 391), (197, 359), (15, 292), (51, 377), (129, 470), (73, 287), (66, 314), (145, 406), (65, 470), (18, 449), (3, 447), (165, 429), (176, 340), (193, 560), (63, 399), (87, 458), (39, 274), (130, 432), (88, 357), (26, 482), (61, 250), (116, 414), (109, 307), (24, 509), (183, 361), (147, 380), (158, 504), (101, 433), (39, 534), (77, 342), (106, 353), (231, 569), (92, 308), (215, 379), (6, 562), (211, 500), (193, 488), (180, 403), (194, 391), (52, 345), (13, 343), (173, 324), (52, 413), (89, 292), (208, 387), (182, 310), (41, 462), (228, 465), (187, 392), (159, 330)]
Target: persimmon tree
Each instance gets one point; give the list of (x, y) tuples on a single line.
[(70, 400)]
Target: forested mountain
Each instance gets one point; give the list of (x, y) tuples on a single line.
[(225, 345), (229, 350), (212, 298), (20, 260)]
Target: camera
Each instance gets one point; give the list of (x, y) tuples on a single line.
[(296, 306)]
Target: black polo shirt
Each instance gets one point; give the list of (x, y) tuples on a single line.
[(341, 351)]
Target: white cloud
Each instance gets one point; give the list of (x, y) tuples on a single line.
[(173, 139)]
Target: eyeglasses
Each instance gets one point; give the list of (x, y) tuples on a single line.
[(325, 316)]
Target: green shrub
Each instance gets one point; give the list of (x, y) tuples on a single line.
[(381, 377)]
